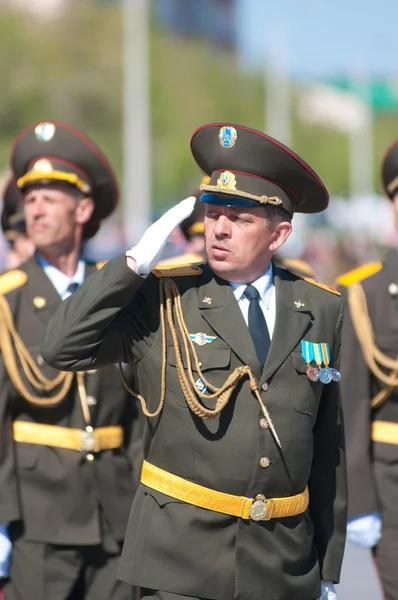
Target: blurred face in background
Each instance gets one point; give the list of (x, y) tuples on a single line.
[(55, 216), (395, 203), (21, 250)]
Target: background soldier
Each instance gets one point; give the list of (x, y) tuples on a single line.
[(13, 225), (69, 445), (244, 424), (369, 371)]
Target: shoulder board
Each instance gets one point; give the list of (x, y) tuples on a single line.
[(11, 280), (180, 271), (181, 260), (359, 274), (323, 286), (100, 264)]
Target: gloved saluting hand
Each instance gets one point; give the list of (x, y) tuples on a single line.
[(144, 256)]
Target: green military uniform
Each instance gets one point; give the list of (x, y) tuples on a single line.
[(70, 450), (369, 392), (182, 538)]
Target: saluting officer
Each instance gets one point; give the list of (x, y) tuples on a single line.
[(243, 491), (70, 443)]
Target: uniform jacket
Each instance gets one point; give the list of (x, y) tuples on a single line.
[(179, 547), (59, 496), (372, 467)]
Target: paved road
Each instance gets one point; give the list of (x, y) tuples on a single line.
[(359, 580)]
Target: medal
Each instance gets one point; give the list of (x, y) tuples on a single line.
[(335, 374), (312, 373), (325, 375)]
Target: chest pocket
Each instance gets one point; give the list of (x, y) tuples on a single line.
[(303, 391), (214, 361)]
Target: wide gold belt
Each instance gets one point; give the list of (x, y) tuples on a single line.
[(88, 440), (258, 509), (385, 432)]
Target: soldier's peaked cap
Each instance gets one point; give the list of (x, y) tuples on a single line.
[(248, 168), (389, 170), (55, 152)]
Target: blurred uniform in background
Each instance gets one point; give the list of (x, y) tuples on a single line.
[(70, 446), (13, 225), (369, 380)]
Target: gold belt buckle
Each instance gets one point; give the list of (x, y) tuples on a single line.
[(87, 443), (259, 510)]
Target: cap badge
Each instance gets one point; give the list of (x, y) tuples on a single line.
[(227, 180), (227, 136), (44, 132), (43, 165)]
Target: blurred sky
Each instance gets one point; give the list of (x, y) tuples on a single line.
[(321, 37)]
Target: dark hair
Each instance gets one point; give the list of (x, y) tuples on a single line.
[(276, 215)]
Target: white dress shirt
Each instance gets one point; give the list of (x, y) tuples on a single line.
[(60, 281), (266, 289)]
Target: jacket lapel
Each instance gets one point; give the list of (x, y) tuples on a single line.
[(220, 309), (41, 293), (291, 322)]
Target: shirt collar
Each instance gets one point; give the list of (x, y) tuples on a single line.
[(59, 280), (263, 284)]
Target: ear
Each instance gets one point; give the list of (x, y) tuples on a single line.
[(84, 210), (280, 235)]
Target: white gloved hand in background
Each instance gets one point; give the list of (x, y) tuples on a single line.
[(5, 551), (364, 531), (327, 591), (147, 252)]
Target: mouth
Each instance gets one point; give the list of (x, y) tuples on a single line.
[(219, 252)]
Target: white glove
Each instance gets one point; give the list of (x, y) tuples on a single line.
[(148, 250), (327, 591), (364, 531), (5, 551)]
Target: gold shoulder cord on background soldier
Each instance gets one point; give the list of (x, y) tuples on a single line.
[(364, 331), (170, 295), (12, 347)]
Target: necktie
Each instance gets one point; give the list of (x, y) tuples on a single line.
[(72, 287), (257, 324)]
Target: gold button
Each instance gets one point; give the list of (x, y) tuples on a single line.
[(40, 360), (264, 387), (264, 462), (91, 401), (200, 364), (90, 457), (264, 423)]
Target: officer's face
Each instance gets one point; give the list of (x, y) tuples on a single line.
[(240, 241), (55, 217)]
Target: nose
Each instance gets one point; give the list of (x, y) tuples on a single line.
[(36, 207), (222, 227)]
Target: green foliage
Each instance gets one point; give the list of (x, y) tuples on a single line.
[(71, 69)]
